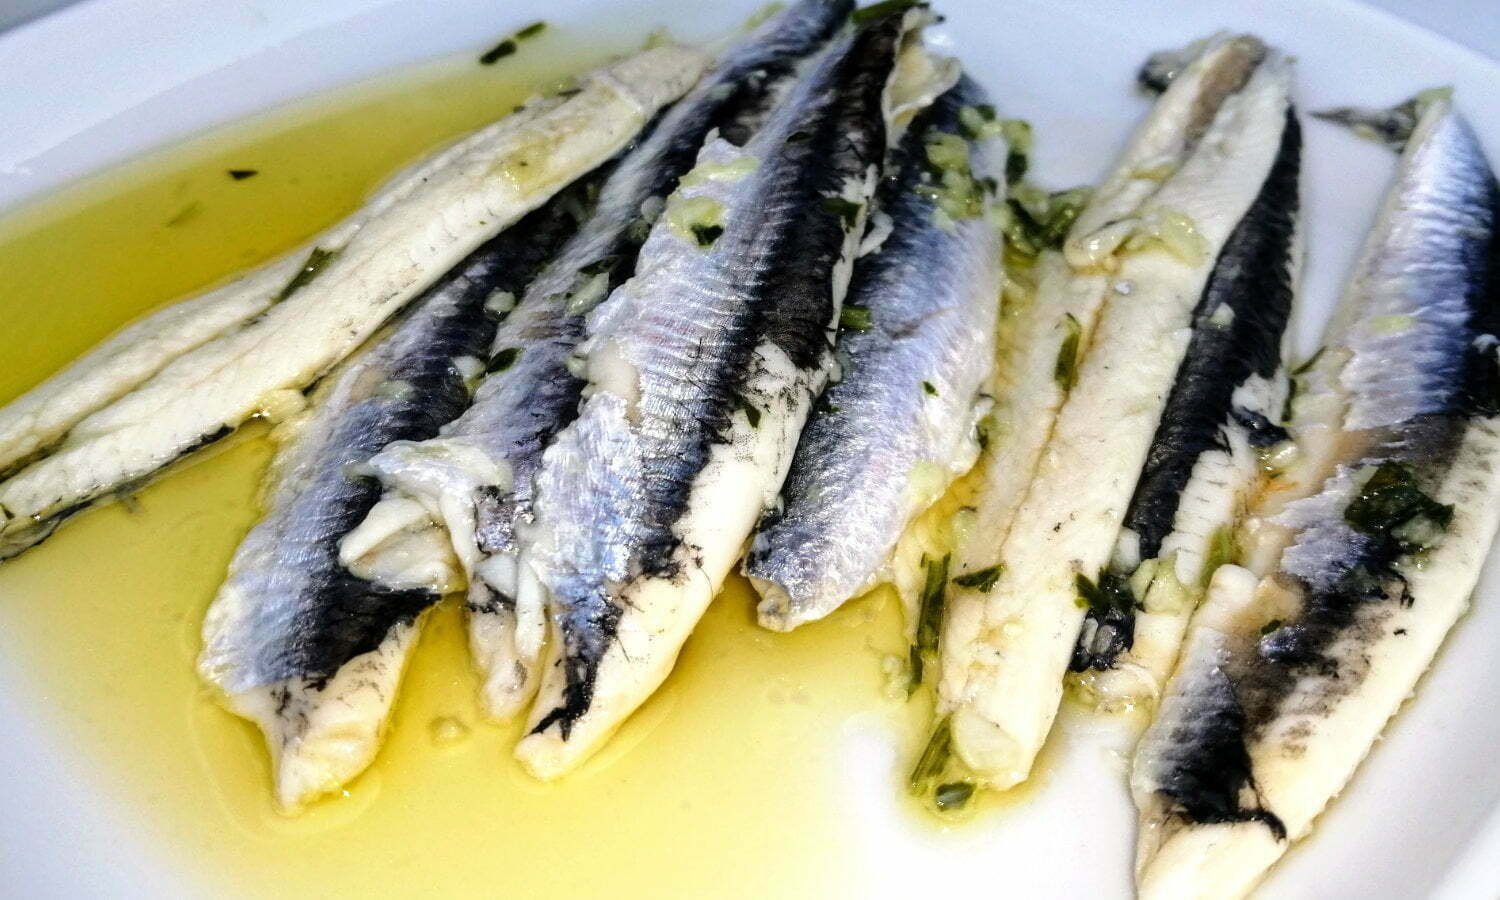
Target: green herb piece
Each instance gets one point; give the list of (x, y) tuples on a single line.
[(1292, 388), (877, 11), (1392, 508), (914, 667), (698, 218), (1017, 133), (503, 360), (953, 795), (1111, 594), (855, 318), (185, 215), (1065, 370), (798, 137), (316, 261), (498, 52), (1270, 627), (934, 759), (242, 174), (929, 388), (706, 235), (1308, 363), (846, 210), (930, 612), (980, 579), (752, 413), (1221, 550), (1016, 164), (1063, 209), (531, 31), (600, 266)]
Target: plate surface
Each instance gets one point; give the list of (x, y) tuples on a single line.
[(110, 79)]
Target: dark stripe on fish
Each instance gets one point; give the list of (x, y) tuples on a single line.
[(734, 99), (787, 272), (1412, 456), (338, 616), (1252, 277)]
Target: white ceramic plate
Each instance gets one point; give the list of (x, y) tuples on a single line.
[(110, 79)]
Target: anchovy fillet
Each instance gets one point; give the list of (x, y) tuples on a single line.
[(702, 370), (1207, 458), (1152, 238), (32, 423), (1040, 331), (1366, 556), (293, 640), (900, 424), (477, 477), (480, 186)]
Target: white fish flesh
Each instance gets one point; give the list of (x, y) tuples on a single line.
[(484, 184), (702, 370), (1219, 435), (1153, 236), (1299, 656), (915, 355), (476, 478)]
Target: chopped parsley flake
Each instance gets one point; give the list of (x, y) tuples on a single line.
[(953, 795), (503, 360), (706, 235), (316, 261), (980, 579), (1065, 371), (752, 413), (930, 613), (847, 211), (1308, 363), (599, 266), (1111, 594), (934, 759), (511, 44), (855, 318), (498, 52), (1392, 508)]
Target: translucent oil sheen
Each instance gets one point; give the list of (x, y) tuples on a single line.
[(725, 784)]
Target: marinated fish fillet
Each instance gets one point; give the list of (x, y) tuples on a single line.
[(296, 643), (1152, 237), (702, 369), (476, 478), (482, 185), (1359, 567), (32, 423), (1218, 436), (915, 352)]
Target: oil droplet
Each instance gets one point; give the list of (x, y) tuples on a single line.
[(447, 730)]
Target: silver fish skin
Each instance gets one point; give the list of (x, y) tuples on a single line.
[(702, 370), (1219, 428), (294, 641), (476, 478), (341, 296), (912, 387), (1364, 557)]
